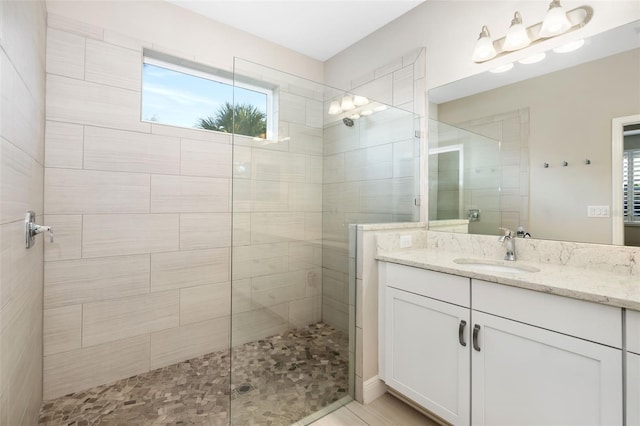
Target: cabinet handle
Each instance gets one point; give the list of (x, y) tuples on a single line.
[(463, 324), (476, 330)]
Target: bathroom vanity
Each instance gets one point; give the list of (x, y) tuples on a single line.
[(480, 341)]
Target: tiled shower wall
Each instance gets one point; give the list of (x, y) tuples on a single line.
[(22, 57), (139, 275), (370, 172)]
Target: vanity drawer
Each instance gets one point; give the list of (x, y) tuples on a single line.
[(633, 331), (586, 320), (437, 285)]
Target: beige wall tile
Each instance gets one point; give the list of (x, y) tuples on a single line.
[(241, 228), (65, 54), (121, 318), (305, 255), (241, 295), (205, 230), (335, 313), (62, 329), (113, 235), (259, 323), (189, 268), (85, 102), (260, 259), (305, 197), (334, 168), (203, 158), (187, 194), (117, 150), (251, 195), (196, 134), (73, 26), (72, 282), (21, 107), (278, 166), (20, 183), (84, 368), (70, 191), (305, 139), (370, 163), (292, 108), (113, 65), (304, 312), (67, 243), (64, 145), (314, 168), (189, 341), (204, 302), (275, 227), (312, 226)]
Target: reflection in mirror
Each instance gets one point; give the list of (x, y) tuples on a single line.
[(556, 112)]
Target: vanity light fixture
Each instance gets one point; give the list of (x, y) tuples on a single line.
[(517, 36), (360, 100), (347, 103), (534, 59), (484, 47), (334, 108), (556, 22)]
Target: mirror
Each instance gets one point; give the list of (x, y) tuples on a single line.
[(543, 134)]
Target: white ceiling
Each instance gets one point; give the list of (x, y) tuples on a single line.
[(316, 28)]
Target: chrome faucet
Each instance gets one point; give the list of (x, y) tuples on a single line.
[(507, 240)]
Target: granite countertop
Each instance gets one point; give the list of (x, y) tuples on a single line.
[(592, 285)]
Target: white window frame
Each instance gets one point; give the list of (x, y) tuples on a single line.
[(630, 193), (217, 76)]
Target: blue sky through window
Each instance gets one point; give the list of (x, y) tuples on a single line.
[(180, 99)]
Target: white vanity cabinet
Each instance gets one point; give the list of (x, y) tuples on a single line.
[(426, 356), (633, 368), (529, 358)]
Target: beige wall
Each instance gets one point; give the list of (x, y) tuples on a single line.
[(22, 57), (139, 275), (570, 114)]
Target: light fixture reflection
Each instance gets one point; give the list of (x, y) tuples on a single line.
[(517, 36), (484, 49), (533, 59), (360, 100), (569, 47), (366, 112), (334, 108), (347, 103), (380, 108), (555, 21), (502, 68)]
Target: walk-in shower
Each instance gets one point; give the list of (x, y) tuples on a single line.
[(248, 314)]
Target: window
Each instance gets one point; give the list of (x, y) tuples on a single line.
[(185, 94), (631, 185)]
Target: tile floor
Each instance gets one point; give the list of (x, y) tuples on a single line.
[(275, 381), (384, 411)]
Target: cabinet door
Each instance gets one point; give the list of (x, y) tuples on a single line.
[(524, 375), (633, 389), (425, 360)]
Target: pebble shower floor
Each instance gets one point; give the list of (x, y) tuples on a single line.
[(276, 381)]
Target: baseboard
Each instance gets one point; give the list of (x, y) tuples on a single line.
[(373, 389)]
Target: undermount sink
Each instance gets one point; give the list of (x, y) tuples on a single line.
[(496, 266)]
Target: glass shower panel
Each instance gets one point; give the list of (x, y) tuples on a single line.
[(297, 191), (285, 362), (464, 180)]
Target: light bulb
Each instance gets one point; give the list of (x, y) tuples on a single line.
[(334, 108), (360, 100), (555, 21), (484, 49), (347, 103), (517, 36)]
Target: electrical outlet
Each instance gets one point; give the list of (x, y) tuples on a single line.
[(598, 211), (405, 241)]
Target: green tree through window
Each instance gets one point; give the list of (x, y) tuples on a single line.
[(248, 120)]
